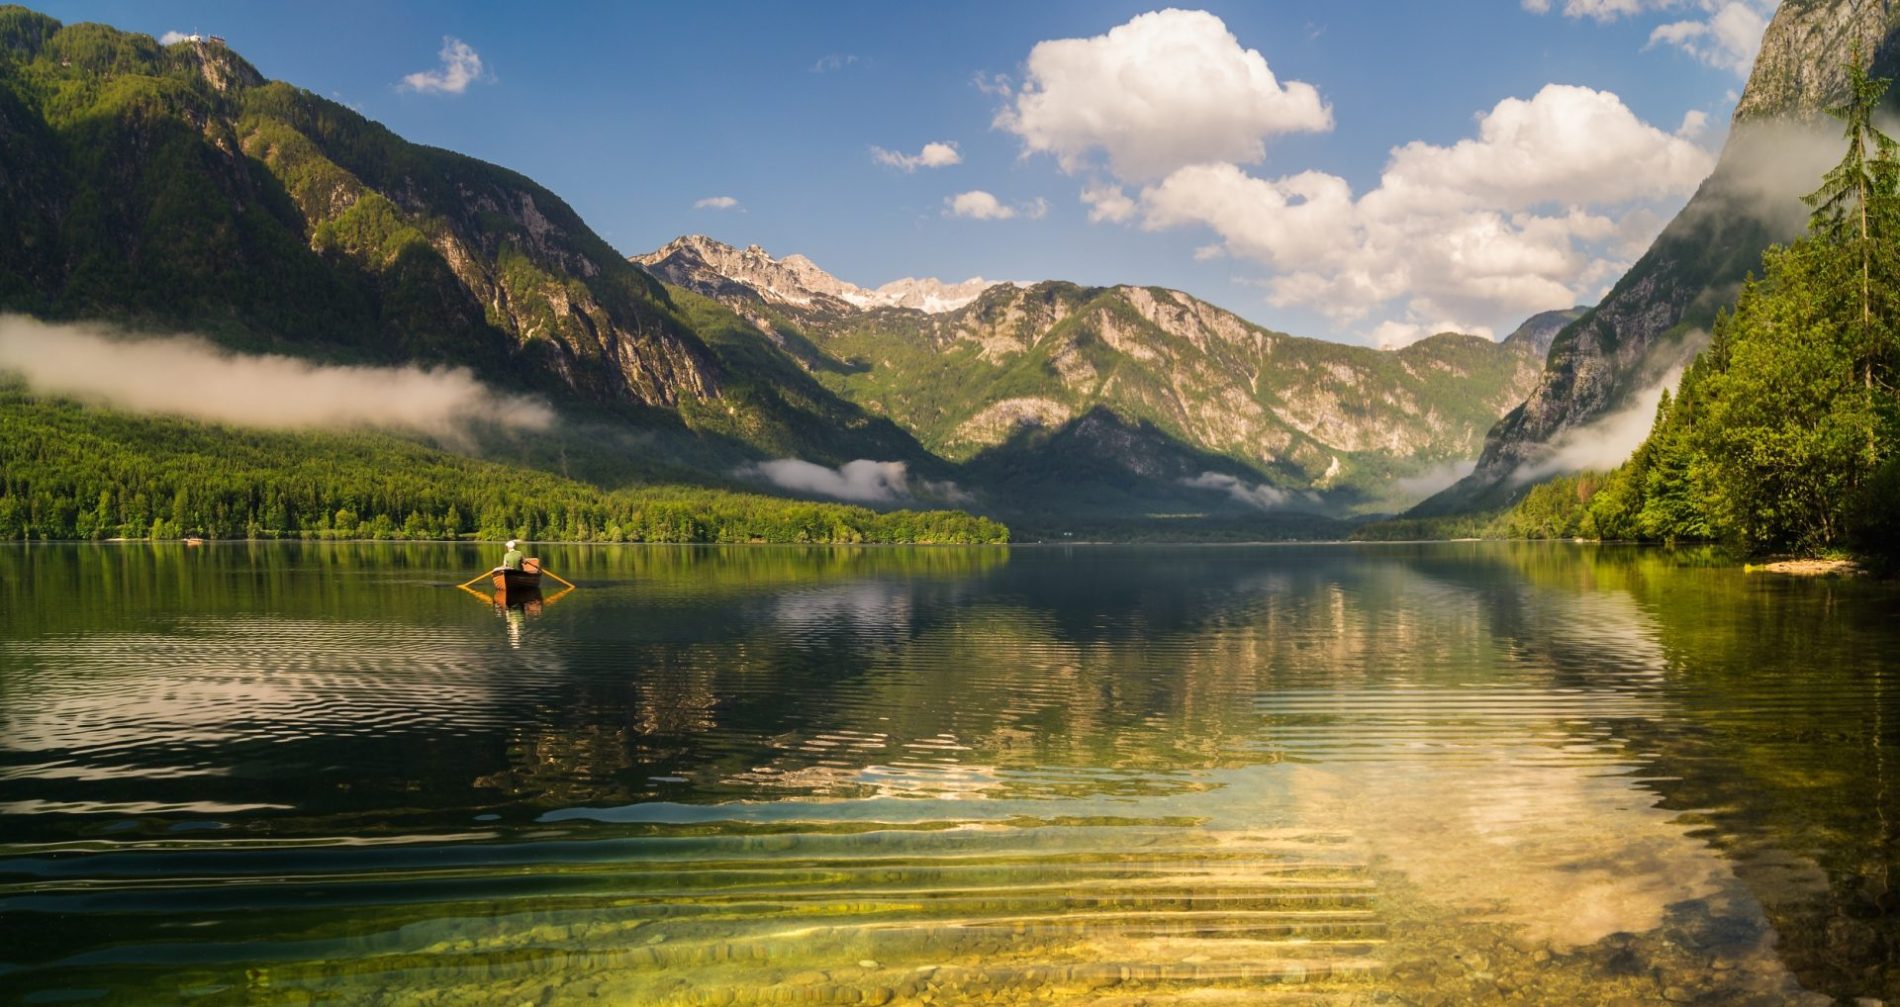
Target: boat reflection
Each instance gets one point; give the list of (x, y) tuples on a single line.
[(518, 604)]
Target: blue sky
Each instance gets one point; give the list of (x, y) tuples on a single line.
[(635, 113)]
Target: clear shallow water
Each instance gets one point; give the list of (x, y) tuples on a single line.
[(1453, 773)]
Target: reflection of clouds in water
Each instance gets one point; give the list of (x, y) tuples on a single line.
[(1570, 854), (1604, 627), (895, 779), (878, 608), (1513, 805), (238, 680), (846, 762), (1403, 723)]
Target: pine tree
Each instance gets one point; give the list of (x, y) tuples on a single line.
[(1855, 207)]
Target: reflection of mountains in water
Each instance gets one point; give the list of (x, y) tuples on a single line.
[(1563, 744)]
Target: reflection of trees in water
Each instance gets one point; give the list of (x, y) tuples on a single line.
[(1779, 740), (606, 740), (1754, 707), (1787, 749)]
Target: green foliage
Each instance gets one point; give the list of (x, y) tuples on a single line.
[(1783, 437), (1559, 508), (1427, 529), (72, 472)]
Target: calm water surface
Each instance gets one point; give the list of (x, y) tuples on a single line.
[(1458, 773)]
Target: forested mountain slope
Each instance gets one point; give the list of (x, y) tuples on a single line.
[(174, 188)]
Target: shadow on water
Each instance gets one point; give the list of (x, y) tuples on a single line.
[(1483, 772)]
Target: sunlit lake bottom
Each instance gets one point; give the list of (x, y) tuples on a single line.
[(1382, 774)]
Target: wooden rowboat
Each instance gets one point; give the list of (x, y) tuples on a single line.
[(520, 597), (529, 576)]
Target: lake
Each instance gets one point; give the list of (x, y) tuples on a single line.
[(1449, 773)]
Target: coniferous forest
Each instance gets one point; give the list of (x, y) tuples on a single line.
[(74, 472)]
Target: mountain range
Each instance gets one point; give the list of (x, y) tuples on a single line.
[(173, 188), (981, 374)]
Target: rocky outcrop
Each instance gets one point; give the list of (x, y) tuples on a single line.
[(928, 294), (1656, 317)]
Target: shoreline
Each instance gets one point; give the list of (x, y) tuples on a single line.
[(1808, 568), (1792, 567)]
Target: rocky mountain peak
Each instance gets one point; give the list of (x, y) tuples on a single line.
[(1540, 330), (221, 68), (712, 267), (1802, 68)]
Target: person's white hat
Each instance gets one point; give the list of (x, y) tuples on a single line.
[(512, 543)]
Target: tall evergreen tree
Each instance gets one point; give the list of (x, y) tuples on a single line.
[(1855, 205)]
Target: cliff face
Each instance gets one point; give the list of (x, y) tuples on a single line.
[(1654, 318), (1801, 71)]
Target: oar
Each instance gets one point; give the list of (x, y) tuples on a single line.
[(558, 577), (475, 578)]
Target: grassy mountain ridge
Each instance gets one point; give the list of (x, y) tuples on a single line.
[(172, 187)]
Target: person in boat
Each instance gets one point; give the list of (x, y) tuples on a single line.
[(512, 559)]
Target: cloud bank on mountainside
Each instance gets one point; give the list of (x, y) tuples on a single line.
[(864, 481), (187, 376)]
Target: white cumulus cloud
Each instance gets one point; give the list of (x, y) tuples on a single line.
[(1549, 197), (1601, 10), (832, 62), (1168, 89), (1728, 38), (939, 154), (716, 203), (1108, 202), (1725, 33), (461, 66), (979, 205), (173, 37)]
